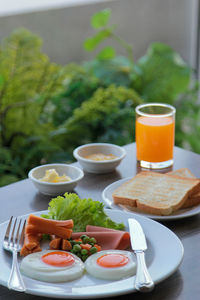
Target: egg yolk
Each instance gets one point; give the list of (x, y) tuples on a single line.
[(112, 260), (58, 259)]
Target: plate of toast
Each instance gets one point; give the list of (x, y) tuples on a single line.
[(168, 196)]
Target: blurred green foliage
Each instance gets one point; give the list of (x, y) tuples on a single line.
[(161, 75), (107, 116), (46, 110), (27, 80)]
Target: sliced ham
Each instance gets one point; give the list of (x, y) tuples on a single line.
[(106, 237)]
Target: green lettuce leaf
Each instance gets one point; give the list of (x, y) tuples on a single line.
[(82, 211)]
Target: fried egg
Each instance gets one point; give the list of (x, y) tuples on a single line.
[(52, 266), (111, 264)]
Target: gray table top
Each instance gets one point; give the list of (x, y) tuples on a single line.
[(22, 198)]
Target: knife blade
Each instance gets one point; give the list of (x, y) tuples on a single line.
[(143, 280), (138, 240)]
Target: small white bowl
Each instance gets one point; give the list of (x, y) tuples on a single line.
[(58, 188), (99, 167)]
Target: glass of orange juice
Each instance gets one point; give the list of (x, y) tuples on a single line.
[(155, 131)]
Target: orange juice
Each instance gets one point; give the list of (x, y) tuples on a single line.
[(155, 138)]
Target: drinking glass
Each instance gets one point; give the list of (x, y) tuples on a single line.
[(155, 131)]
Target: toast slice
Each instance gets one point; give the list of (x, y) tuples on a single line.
[(191, 200), (156, 193), (183, 172)]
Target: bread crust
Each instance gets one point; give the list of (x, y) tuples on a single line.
[(193, 199), (183, 172), (156, 193)]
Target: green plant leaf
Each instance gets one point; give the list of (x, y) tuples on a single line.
[(101, 18), (24, 108), (116, 70), (7, 179), (1, 80), (161, 75), (107, 115), (106, 53), (91, 43)]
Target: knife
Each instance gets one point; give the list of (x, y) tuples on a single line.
[(143, 280)]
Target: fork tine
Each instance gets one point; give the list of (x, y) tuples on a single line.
[(12, 234), (17, 234), (11, 243), (22, 233), (7, 234)]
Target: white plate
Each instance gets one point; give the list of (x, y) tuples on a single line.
[(164, 255), (108, 200)]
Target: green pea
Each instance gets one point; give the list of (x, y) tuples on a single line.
[(93, 240), (77, 248), (78, 242), (93, 250), (83, 236), (86, 240), (84, 251)]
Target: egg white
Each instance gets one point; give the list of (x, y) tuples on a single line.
[(33, 267), (110, 273)]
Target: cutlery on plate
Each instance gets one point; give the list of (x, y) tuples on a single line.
[(143, 280), (12, 242)]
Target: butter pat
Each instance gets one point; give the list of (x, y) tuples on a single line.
[(100, 156), (52, 176)]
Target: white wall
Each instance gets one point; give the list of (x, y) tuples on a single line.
[(139, 22)]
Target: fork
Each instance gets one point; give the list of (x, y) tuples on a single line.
[(13, 241)]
